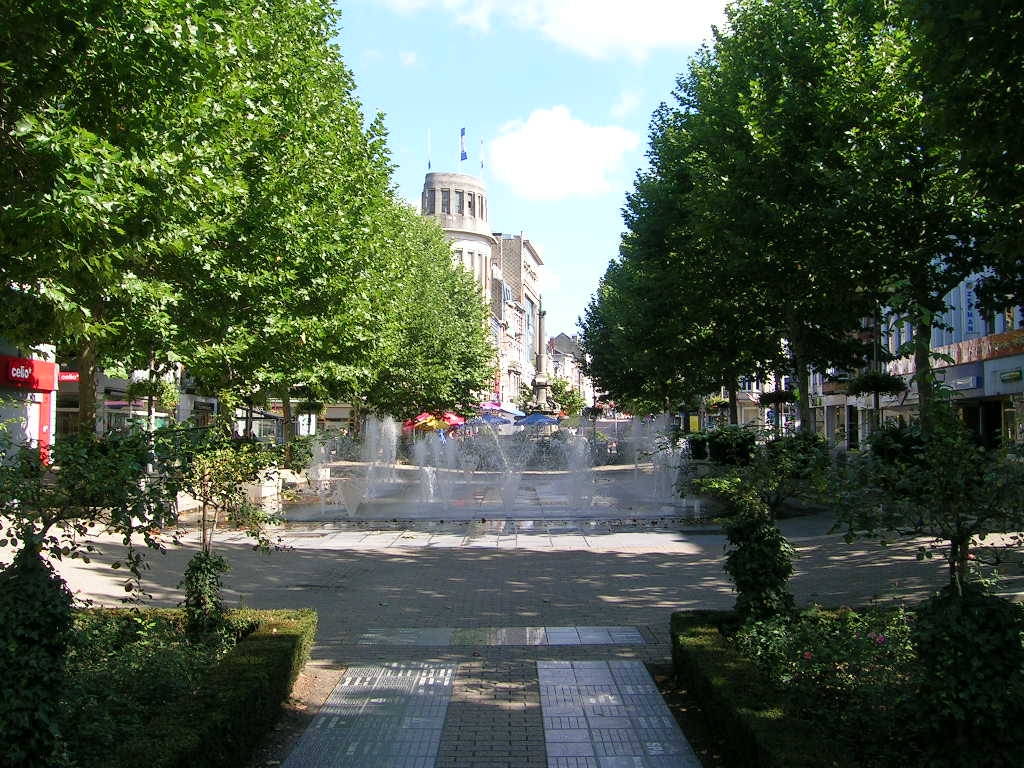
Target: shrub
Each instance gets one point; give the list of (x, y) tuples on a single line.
[(35, 622), (837, 667), (165, 701), (969, 689), (760, 562), (204, 607), (698, 442), (124, 668), (731, 445), (738, 699), (897, 443)]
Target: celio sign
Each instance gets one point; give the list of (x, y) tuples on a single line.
[(19, 372)]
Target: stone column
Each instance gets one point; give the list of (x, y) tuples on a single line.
[(541, 390)]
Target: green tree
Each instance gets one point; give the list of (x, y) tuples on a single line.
[(433, 352), (216, 468), (568, 399), (971, 55), (112, 163), (937, 482)]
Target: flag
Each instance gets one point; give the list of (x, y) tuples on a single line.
[(481, 153), (462, 145), (428, 149)]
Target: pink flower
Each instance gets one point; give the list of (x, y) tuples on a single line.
[(808, 655), (880, 639)]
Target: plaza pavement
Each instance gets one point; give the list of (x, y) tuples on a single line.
[(506, 642)]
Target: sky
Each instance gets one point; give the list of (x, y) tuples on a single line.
[(559, 92)]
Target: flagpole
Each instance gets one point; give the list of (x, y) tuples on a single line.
[(428, 149)]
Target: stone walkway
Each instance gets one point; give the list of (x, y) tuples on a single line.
[(523, 642), (563, 714)]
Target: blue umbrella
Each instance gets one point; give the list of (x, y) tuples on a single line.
[(488, 419), (537, 420)]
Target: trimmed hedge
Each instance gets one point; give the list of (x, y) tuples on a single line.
[(740, 702), (220, 724)]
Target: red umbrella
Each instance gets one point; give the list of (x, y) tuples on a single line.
[(430, 420)]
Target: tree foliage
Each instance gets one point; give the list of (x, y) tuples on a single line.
[(971, 54), (196, 184), (938, 483), (805, 173), (569, 400)]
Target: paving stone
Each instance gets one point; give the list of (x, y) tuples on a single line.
[(622, 729), (392, 714)]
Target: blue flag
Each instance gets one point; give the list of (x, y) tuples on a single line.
[(462, 145)]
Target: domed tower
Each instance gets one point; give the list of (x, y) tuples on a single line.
[(458, 202)]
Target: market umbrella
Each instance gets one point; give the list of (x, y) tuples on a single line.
[(431, 421), (488, 419), (538, 420)]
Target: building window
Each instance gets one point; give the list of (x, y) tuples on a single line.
[(483, 210), (458, 202), (472, 209), (446, 201), (428, 202)]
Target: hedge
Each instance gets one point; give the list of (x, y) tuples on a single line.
[(740, 702), (219, 725)]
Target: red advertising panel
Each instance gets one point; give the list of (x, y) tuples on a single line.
[(22, 373)]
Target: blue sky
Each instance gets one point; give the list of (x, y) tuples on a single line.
[(560, 91)]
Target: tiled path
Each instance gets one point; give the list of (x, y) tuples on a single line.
[(473, 617), (563, 714)]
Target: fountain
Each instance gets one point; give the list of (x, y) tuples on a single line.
[(479, 473)]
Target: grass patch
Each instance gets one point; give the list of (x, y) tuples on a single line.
[(140, 692)]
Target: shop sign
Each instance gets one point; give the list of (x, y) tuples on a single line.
[(1008, 376), (68, 376), (20, 372), (966, 382), (23, 373)]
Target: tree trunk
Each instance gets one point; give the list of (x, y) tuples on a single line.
[(87, 387), (923, 373), (734, 410), (150, 409), (803, 378), (248, 417), (286, 409), (958, 551)]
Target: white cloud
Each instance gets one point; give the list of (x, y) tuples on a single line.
[(626, 105), (596, 28), (553, 156), (408, 58)]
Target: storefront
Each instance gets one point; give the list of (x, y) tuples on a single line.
[(28, 388)]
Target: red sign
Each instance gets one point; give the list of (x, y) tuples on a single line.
[(23, 373), (69, 376), (20, 372)]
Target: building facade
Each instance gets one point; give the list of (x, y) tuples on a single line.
[(565, 361), (521, 307), (508, 269), (458, 202), (978, 359)]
